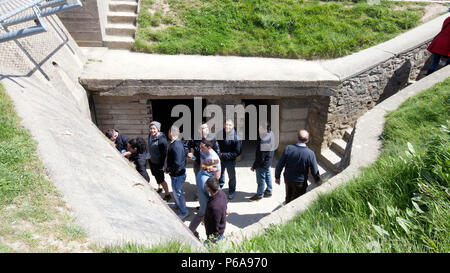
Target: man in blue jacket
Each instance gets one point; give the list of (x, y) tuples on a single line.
[(230, 148), (298, 160), (157, 145)]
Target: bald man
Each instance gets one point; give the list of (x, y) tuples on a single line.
[(297, 160)]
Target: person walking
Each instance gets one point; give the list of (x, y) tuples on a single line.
[(216, 211), (230, 148), (210, 167), (157, 144), (263, 161), (440, 47), (139, 155), (298, 160), (176, 168)]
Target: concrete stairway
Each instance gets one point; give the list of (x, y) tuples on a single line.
[(121, 24), (330, 160)]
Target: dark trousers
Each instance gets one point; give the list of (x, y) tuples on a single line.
[(294, 190), (230, 166)]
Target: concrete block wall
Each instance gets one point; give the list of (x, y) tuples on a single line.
[(84, 24), (129, 115)]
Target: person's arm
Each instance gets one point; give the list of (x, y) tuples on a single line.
[(314, 168), (280, 165), (162, 146)]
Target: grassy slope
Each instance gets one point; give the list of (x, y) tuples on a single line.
[(399, 204), (33, 217), (270, 28)]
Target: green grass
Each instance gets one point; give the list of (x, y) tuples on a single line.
[(270, 28), (399, 204), (33, 216)]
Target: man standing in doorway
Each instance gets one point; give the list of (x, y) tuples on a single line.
[(195, 145), (176, 167), (230, 149), (157, 145), (298, 160)]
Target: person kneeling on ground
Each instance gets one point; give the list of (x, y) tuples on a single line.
[(139, 155), (216, 211)]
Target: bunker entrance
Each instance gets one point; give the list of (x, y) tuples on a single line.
[(162, 112)]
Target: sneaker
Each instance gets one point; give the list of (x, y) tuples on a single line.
[(173, 206), (159, 190), (255, 198), (267, 194), (183, 216), (167, 198)]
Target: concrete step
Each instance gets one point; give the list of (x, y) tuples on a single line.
[(330, 160), (338, 146), (120, 30), (121, 17), (118, 42), (347, 134), (123, 6)]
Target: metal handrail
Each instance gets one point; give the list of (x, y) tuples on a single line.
[(39, 10)]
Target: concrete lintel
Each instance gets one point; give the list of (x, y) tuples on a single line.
[(166, 88)]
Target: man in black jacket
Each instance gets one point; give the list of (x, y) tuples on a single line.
[(298, 160), (195, 145), (230, 148), (120, 140), (263, 161), (176, 168), (157, 145)]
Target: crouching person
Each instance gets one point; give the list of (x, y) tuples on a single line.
[(139, 156), (216, 211)]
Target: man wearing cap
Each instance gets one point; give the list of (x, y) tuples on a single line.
[(157, 144)]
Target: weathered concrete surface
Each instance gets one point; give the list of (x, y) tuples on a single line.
[(109, 199), (121, 73), (365, 151)]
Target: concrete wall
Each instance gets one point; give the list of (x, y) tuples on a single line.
[(129, 115), (108, 197), (85, 23)]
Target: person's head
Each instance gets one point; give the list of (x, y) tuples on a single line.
[(154, 128), (212, 185), (264, 127), (137, 145), (303, 136), (112, 134), (203, 129), (174, 132), (229, 125), (205, 146)]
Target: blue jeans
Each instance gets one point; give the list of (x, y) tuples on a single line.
[(203, 197), (177, 188), (263, 178), (231, 170)]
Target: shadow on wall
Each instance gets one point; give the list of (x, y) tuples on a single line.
[(38, 66), (397, 82)]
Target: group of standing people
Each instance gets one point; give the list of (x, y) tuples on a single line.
[(211, 157)]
